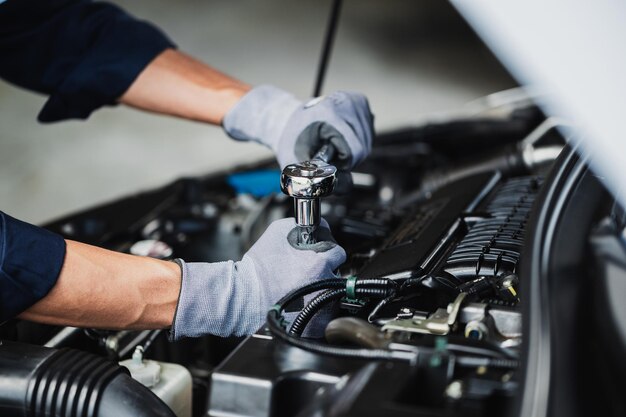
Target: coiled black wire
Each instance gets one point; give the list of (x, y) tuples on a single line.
[(310, 288), (307, 313)]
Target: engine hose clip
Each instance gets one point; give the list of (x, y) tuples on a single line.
[(351, 288)]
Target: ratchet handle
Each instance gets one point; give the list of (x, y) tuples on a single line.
[(325, 153)]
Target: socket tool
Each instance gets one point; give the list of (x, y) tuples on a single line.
[(307, 182)]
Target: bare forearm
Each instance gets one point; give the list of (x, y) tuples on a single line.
[(105, 289), (179, 85)]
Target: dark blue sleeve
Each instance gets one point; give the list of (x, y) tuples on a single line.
[(82, 54), (30, 262)]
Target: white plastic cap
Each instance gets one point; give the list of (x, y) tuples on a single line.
[(147, 373)]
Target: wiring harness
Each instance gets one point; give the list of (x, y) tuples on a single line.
[(353, 288), (336, 288)]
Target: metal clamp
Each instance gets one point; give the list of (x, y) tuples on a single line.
[(438, 323)]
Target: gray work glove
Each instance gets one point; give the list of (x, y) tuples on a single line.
[(232, 298), (295, 130)]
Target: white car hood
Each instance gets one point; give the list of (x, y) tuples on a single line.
[(575, 52)]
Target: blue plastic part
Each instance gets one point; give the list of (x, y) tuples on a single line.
[(258, 183)]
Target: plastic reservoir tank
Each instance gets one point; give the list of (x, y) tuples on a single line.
[(169, 381)]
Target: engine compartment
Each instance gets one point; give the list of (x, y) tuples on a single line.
[(452, 321), (427, 317)]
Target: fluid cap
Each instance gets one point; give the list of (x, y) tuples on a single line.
[(147, 373)]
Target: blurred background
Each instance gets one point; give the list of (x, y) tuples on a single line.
[(411, 58)]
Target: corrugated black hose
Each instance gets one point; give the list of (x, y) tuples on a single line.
[(307, 313), (42, 382)]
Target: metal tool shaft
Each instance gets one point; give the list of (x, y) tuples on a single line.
[(325, 153), (307, 214), (307, 182)]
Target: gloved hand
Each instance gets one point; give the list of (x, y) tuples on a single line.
[(295, 131), (232, 298)]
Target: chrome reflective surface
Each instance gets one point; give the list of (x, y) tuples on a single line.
[(309, 179)]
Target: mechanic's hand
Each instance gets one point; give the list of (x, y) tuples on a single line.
[(232, 298), (295, 131)]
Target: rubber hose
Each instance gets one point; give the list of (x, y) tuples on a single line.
[(42, 382)]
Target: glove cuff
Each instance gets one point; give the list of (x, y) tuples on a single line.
[(215, 298), (261, 115)]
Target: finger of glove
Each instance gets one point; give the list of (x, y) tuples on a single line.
[(317, 325), (343, 120), (365, 117), (279, 231), (347, 113), (315, 135), (325, 240), (355, 111)]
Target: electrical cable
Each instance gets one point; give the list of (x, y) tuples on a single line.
[(409, 282), (330, 283), (313, 307), (351, 287), (374, 313), (324, 284), (274, 324), (150, 339), (491, 350), (126, 350)]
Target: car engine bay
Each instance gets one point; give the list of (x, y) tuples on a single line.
[(427, 317)]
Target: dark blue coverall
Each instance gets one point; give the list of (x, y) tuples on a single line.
[(83, 55)]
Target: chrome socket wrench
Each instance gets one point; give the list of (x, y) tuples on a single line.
[(307, 182)]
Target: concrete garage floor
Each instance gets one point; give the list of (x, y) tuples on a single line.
[(410, 58)]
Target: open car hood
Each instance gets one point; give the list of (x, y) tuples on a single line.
[(573, 52)]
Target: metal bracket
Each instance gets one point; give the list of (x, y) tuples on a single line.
[(438, 323)]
